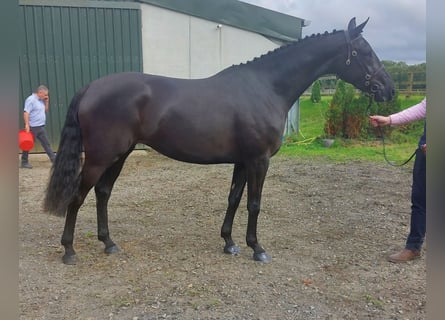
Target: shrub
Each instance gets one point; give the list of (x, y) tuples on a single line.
[(385, 108), (336, 114), (347, 115), (316, 92)]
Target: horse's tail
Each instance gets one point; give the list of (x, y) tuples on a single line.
[(64, 178)]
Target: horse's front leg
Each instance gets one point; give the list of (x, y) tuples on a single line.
[(255, 181), (236, 192)]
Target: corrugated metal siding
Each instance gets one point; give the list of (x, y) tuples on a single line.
[(66, 47)]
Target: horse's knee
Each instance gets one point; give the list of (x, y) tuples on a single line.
[(235, 196), (233, 201), (254, 208)]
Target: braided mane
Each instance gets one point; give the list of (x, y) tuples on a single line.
[(290, 44)]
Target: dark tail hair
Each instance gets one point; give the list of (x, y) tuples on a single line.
[(64, 178)]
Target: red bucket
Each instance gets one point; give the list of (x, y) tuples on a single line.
[(26, 140)]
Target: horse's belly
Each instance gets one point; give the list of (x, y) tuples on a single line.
[(189, 148), (194, 156)]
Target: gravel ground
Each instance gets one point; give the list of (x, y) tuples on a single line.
[(328, 226)]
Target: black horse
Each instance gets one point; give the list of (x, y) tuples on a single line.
[(236, 116)]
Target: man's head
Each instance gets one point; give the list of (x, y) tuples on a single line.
[(42, 92)]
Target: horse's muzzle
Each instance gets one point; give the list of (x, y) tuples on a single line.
[(383, 92)]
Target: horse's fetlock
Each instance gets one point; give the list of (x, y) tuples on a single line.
[(252, 241)]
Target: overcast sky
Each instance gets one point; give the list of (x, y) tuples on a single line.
[(396, 29)]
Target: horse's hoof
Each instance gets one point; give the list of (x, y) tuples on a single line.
[(233, 250), (262, 257), (69, 259), (112, 249)]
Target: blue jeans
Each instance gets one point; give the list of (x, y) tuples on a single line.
[(40, 134), (418, 203)]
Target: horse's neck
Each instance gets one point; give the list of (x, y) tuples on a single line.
[(292, 69)]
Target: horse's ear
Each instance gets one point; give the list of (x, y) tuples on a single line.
[(355, 31), (351, 25), (360, 27)]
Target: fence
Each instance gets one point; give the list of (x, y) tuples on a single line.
[(406, 83)]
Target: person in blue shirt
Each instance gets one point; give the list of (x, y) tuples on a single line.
[(34, 117)]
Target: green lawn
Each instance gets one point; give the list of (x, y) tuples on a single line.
[(308, 142)]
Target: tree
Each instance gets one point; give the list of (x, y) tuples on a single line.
[(336, 114), (315, 92), (407, 77)]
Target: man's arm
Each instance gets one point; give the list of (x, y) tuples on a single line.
[(46, 102), (26, 120)]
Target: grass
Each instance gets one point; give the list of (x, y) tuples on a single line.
[(307, 143), (374, 301)]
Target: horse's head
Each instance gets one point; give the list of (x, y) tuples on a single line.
[(362, 67)]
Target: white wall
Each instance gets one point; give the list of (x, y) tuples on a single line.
[(178, 45)]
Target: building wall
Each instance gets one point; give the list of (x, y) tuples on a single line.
[(67, 45), (184, 46)]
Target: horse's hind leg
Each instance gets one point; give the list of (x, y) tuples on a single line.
[(236, 191), (70, 220), (68, 232), (103, 190)]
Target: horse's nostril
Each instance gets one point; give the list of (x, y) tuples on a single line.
[(375, 88)]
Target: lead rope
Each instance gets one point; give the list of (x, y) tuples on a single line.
[(391, 163)]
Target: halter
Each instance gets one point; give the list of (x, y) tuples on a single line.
[(368, 77), (368, 80), (382, 135)]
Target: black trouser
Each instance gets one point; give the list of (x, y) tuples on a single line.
[(40, 134), (416, 235)]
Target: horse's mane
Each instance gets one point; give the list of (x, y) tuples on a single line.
[(298, 42)]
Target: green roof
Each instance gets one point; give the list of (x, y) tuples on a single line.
[(238, 14), (271, 24)]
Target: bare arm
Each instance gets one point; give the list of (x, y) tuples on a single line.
[(46, 101), (26, 120)]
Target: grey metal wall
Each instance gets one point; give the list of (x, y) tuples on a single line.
[(65, 46)]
